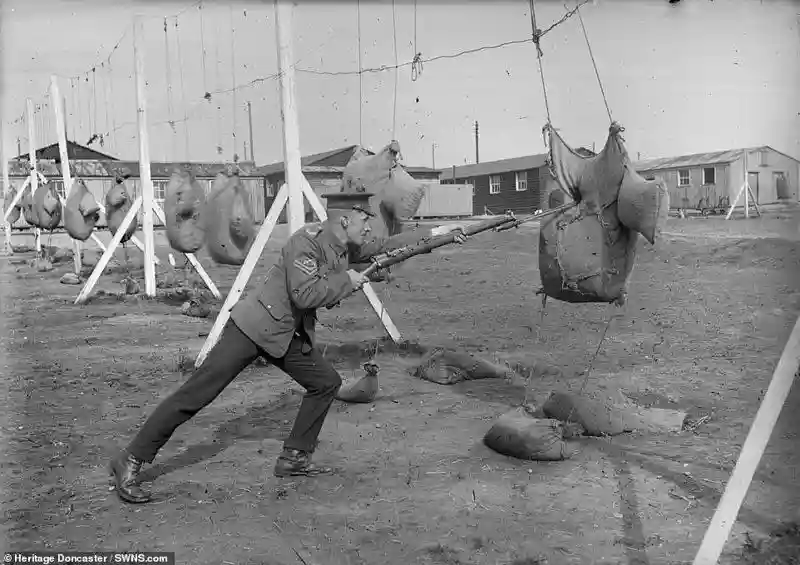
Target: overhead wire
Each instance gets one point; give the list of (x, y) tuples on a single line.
[(594, 64), (186, 131)]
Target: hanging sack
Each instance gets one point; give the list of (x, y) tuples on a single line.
[(397, 195), (81, 212), (15, 213), (585, 253), (518, 434), (118, 203), (230, 228), (184, 209), (643, 205), (47, 206), (28, 210)]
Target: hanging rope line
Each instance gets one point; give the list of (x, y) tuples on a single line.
[(170, 107), (203, 47), (594, 64), (186, 133), (396, 72), (113, 106), (95, 128), (416, 63), (218, 129), (360, 79), (105, 105), (235, 156), (537, 35)]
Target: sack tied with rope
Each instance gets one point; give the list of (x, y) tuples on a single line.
[(46, 207), (586, 252), (28, 210), (81, 212), (230, 228), (519, 434), (397, 195), (118, 203), (184, 209), (447, 367), (15, 213)]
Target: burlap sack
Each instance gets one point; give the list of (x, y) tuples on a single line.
[(47, 206), (118, 203), (446, 367), (184, 209), (230, 228), (15, 213), (81, 212), (643, 205), (518, 434)]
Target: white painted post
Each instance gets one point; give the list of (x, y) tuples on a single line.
[(66, 174), (144, 160), (245, 272), (7, 249), (753, 449), (34, 176), (293, 170), (747, 188)]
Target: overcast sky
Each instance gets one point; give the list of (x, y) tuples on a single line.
[(698, 76)]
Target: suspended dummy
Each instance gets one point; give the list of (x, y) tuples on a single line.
[(587, 252), (397, 195), (118, 203), (230, 228), (15, 213), (184, 208), (81, 213), (28, 211), (46, 207)]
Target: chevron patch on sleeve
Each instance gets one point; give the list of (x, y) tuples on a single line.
[(307, 265)]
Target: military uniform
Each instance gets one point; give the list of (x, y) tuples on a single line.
[(275, 321)]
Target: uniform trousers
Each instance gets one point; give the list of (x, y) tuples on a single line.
[(229, 357)]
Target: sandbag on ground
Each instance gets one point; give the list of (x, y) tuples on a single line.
[(47, 206), (184, 209), (585, 253), (643, 205), (118, 203), (445, 367), (230, 228), (362, 390), (16, 212), (602, 416), (518, 434), (397, 195), (81, 213)]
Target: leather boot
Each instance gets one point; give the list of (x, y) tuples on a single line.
[(125, 469), (296, 463)]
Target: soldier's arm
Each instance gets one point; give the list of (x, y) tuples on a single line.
[(311, 283)]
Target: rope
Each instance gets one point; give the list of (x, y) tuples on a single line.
[(186, 132), (94, 100), (218, 130), (594, 64), (233, 83), (591, 364), (203, 47), (72, 105), (537, 34), (360, 78), (396, 73), (105, 105), (416, 63), (168, 70), (113, 106)]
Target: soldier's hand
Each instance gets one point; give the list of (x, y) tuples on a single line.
[(357, 279)]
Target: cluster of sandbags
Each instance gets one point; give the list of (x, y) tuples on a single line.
[(184, 209), (587, 252), (230, 228), (81, 212), (396, 194)]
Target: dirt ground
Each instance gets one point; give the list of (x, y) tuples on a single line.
[(709, 312)]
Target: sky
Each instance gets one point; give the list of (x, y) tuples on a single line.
[(700, 75)]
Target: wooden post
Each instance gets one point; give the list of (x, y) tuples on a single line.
[(747, 188), (753, 449), (34, 176), (7, 249), (293, 170), (61, 130), (144, 161)]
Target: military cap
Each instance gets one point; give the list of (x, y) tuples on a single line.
[(350, 201)]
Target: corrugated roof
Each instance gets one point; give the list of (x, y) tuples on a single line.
[(700, 159), (276, 168), (495, 167), (106, 169), (504, 165)]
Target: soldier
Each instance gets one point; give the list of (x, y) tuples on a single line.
[(276, 321)]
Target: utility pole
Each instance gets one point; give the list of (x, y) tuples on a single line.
[(433, 155), (477, 152), (19, 146), (250, 121)]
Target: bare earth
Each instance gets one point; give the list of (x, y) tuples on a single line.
[(709, 311)]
